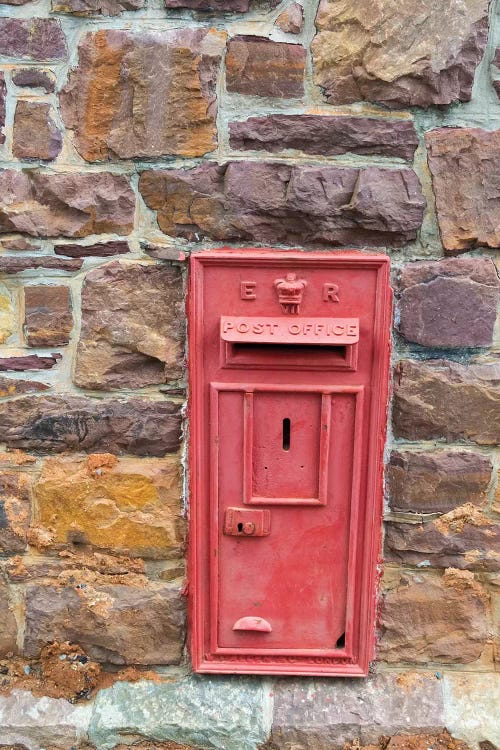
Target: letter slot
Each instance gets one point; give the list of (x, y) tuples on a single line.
[(289, 357)]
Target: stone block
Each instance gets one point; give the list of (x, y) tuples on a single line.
[(133, 327), (132, 506), (464, 166), (117, 624), (437, 481), (30, 362), (64, 724), (65, 204), (325, 135), (3, 96), (326, 714), (15, 511), (13, 387), (227, 712), (471, 707), (34, 79), (7, 321), (171, 77), (463, 538), (9, 264), (291, 20), (35, 133), (48, 318), (66, 422), (449, 303), (433, 618), (32, 38), (219, 6), (98, 249), (396, 54), (282, 204), (8, 625), (261, 67), (95, 7), (442, 399)]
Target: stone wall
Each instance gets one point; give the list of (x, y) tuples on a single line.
[(134, 132)]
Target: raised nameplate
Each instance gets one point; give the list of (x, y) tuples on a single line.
[(286, 331)]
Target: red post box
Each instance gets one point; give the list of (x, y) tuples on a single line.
[(289, 355)]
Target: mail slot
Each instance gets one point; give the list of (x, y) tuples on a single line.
[(289, 356)]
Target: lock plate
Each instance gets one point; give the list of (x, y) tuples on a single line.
[(247, 523)]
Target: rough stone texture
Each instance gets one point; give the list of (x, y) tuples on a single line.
[(100, 249), (7, 322), (325, 135), (48, 319), (71, 205), (95, 7), (15, 511), (115, 624), (171, 78), (437, 481), (430, 400), (8, 626), (35, 133), (13, 387), (32, 38), (239, 6), (465, 167), (471, 707), (278, 203), (496, 70), (11, 265), (261, 67), (132, 507), (463, 538), (434, 619), (325, 714), (3, 93), (220, 712), (394, 52), (63, 723), (34, 79), (63, 422), (291, 20), (30, 362), (496, 499), (449, 303), (132, 326)]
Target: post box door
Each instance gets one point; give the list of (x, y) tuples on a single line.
[(289, 356)]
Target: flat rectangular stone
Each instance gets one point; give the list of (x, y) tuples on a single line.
[(261, 67), (32, 38), (15, 511), (48, 318)]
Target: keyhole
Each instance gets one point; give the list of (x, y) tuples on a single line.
[(240, 527), (286, 434)]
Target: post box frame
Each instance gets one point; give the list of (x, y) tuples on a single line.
[(355, 657)]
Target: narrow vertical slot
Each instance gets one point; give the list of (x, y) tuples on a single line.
[(286, 434)]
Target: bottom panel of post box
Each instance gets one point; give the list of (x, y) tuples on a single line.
[(289, 368)]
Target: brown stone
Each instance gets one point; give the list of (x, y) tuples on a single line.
[(170, 76), (261, 67), (68, 205), (441, 399), (12, 387), (132, 326), (283, 204), (132, 507), (465, 167), (8, 626), (15, 511), (7, 317), (3, 97), (399, 54), (18, 243), (63, 422), (291, 20), (449, 303), (463, 538), (30, 362), (11, 265), (238, 6), (34, 79), (325, 135), (32, 38), (100, 249), (430, 618), (114, 624), (95, 7), (47, 315), (35, 133), (442, 741), (437, 481), (496, 499)]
